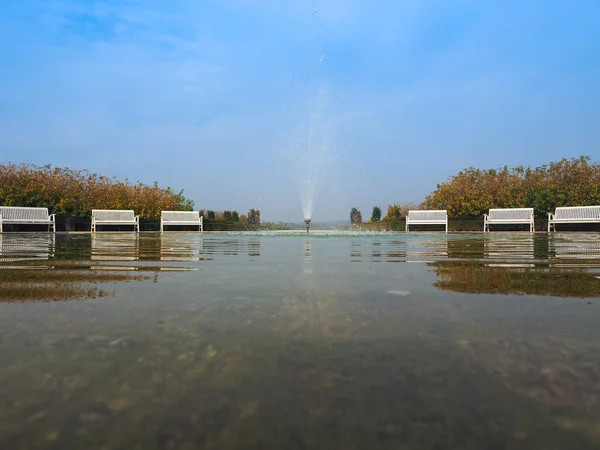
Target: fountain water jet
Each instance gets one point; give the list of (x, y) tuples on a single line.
[(309, 141)]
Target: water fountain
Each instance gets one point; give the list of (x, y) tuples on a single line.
[(309, 142)]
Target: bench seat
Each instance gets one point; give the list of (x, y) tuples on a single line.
[(115, 217), (180, 218), (501, 216), (21, 215), (573, 214), (427, 217)]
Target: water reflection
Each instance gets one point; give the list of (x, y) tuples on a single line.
[(518, 247), (579, 246), (302, 342), (115, 246), (523, 264), (26, 246), (180, 248), (514, 279), (378, 249)]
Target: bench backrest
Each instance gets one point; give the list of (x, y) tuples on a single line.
[(23, 213), (113, 214), (510, 214), (577, 212), (433, 215), (181, 216)]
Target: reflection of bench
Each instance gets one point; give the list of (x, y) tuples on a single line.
[(180, 218), (23, 247), (573, 214), (26, 216), (508, 216), (115, 247), (115, 217), (423, 217)]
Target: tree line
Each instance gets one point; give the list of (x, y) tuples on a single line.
[(74, 193), (473, 192)]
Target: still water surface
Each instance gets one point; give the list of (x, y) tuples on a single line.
[(381, 341)]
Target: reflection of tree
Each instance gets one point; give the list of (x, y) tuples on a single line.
[(42, 283), (510, 279)]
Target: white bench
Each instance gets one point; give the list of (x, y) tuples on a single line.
[(21, 215), (180, 218), (508, 216), (573, 214), (115, 217), (424, 217)]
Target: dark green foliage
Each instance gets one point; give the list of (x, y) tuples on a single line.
[(376, 214)]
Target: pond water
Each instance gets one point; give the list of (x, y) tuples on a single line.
[(274, 341)]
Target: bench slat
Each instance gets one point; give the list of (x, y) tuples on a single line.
[(510, 214), (181, 218), (24, 215), (109, 215), (427, 217), (574, 214), (17, 213), (577, 212), (114, 217)]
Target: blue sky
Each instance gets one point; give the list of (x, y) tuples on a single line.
[(213, 96)]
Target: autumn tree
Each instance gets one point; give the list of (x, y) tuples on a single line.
[(393, 213), (358, 217), (472, 192), (355, 216), (75, 193)]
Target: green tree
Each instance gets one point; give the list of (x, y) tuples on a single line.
[(376, 214), (254, 217), (235, 216), (353, 212)]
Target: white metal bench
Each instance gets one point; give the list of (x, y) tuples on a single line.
[(115, 217), (573, 214), (181, 218), (424, 217), (20, 215), (508, 216)]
